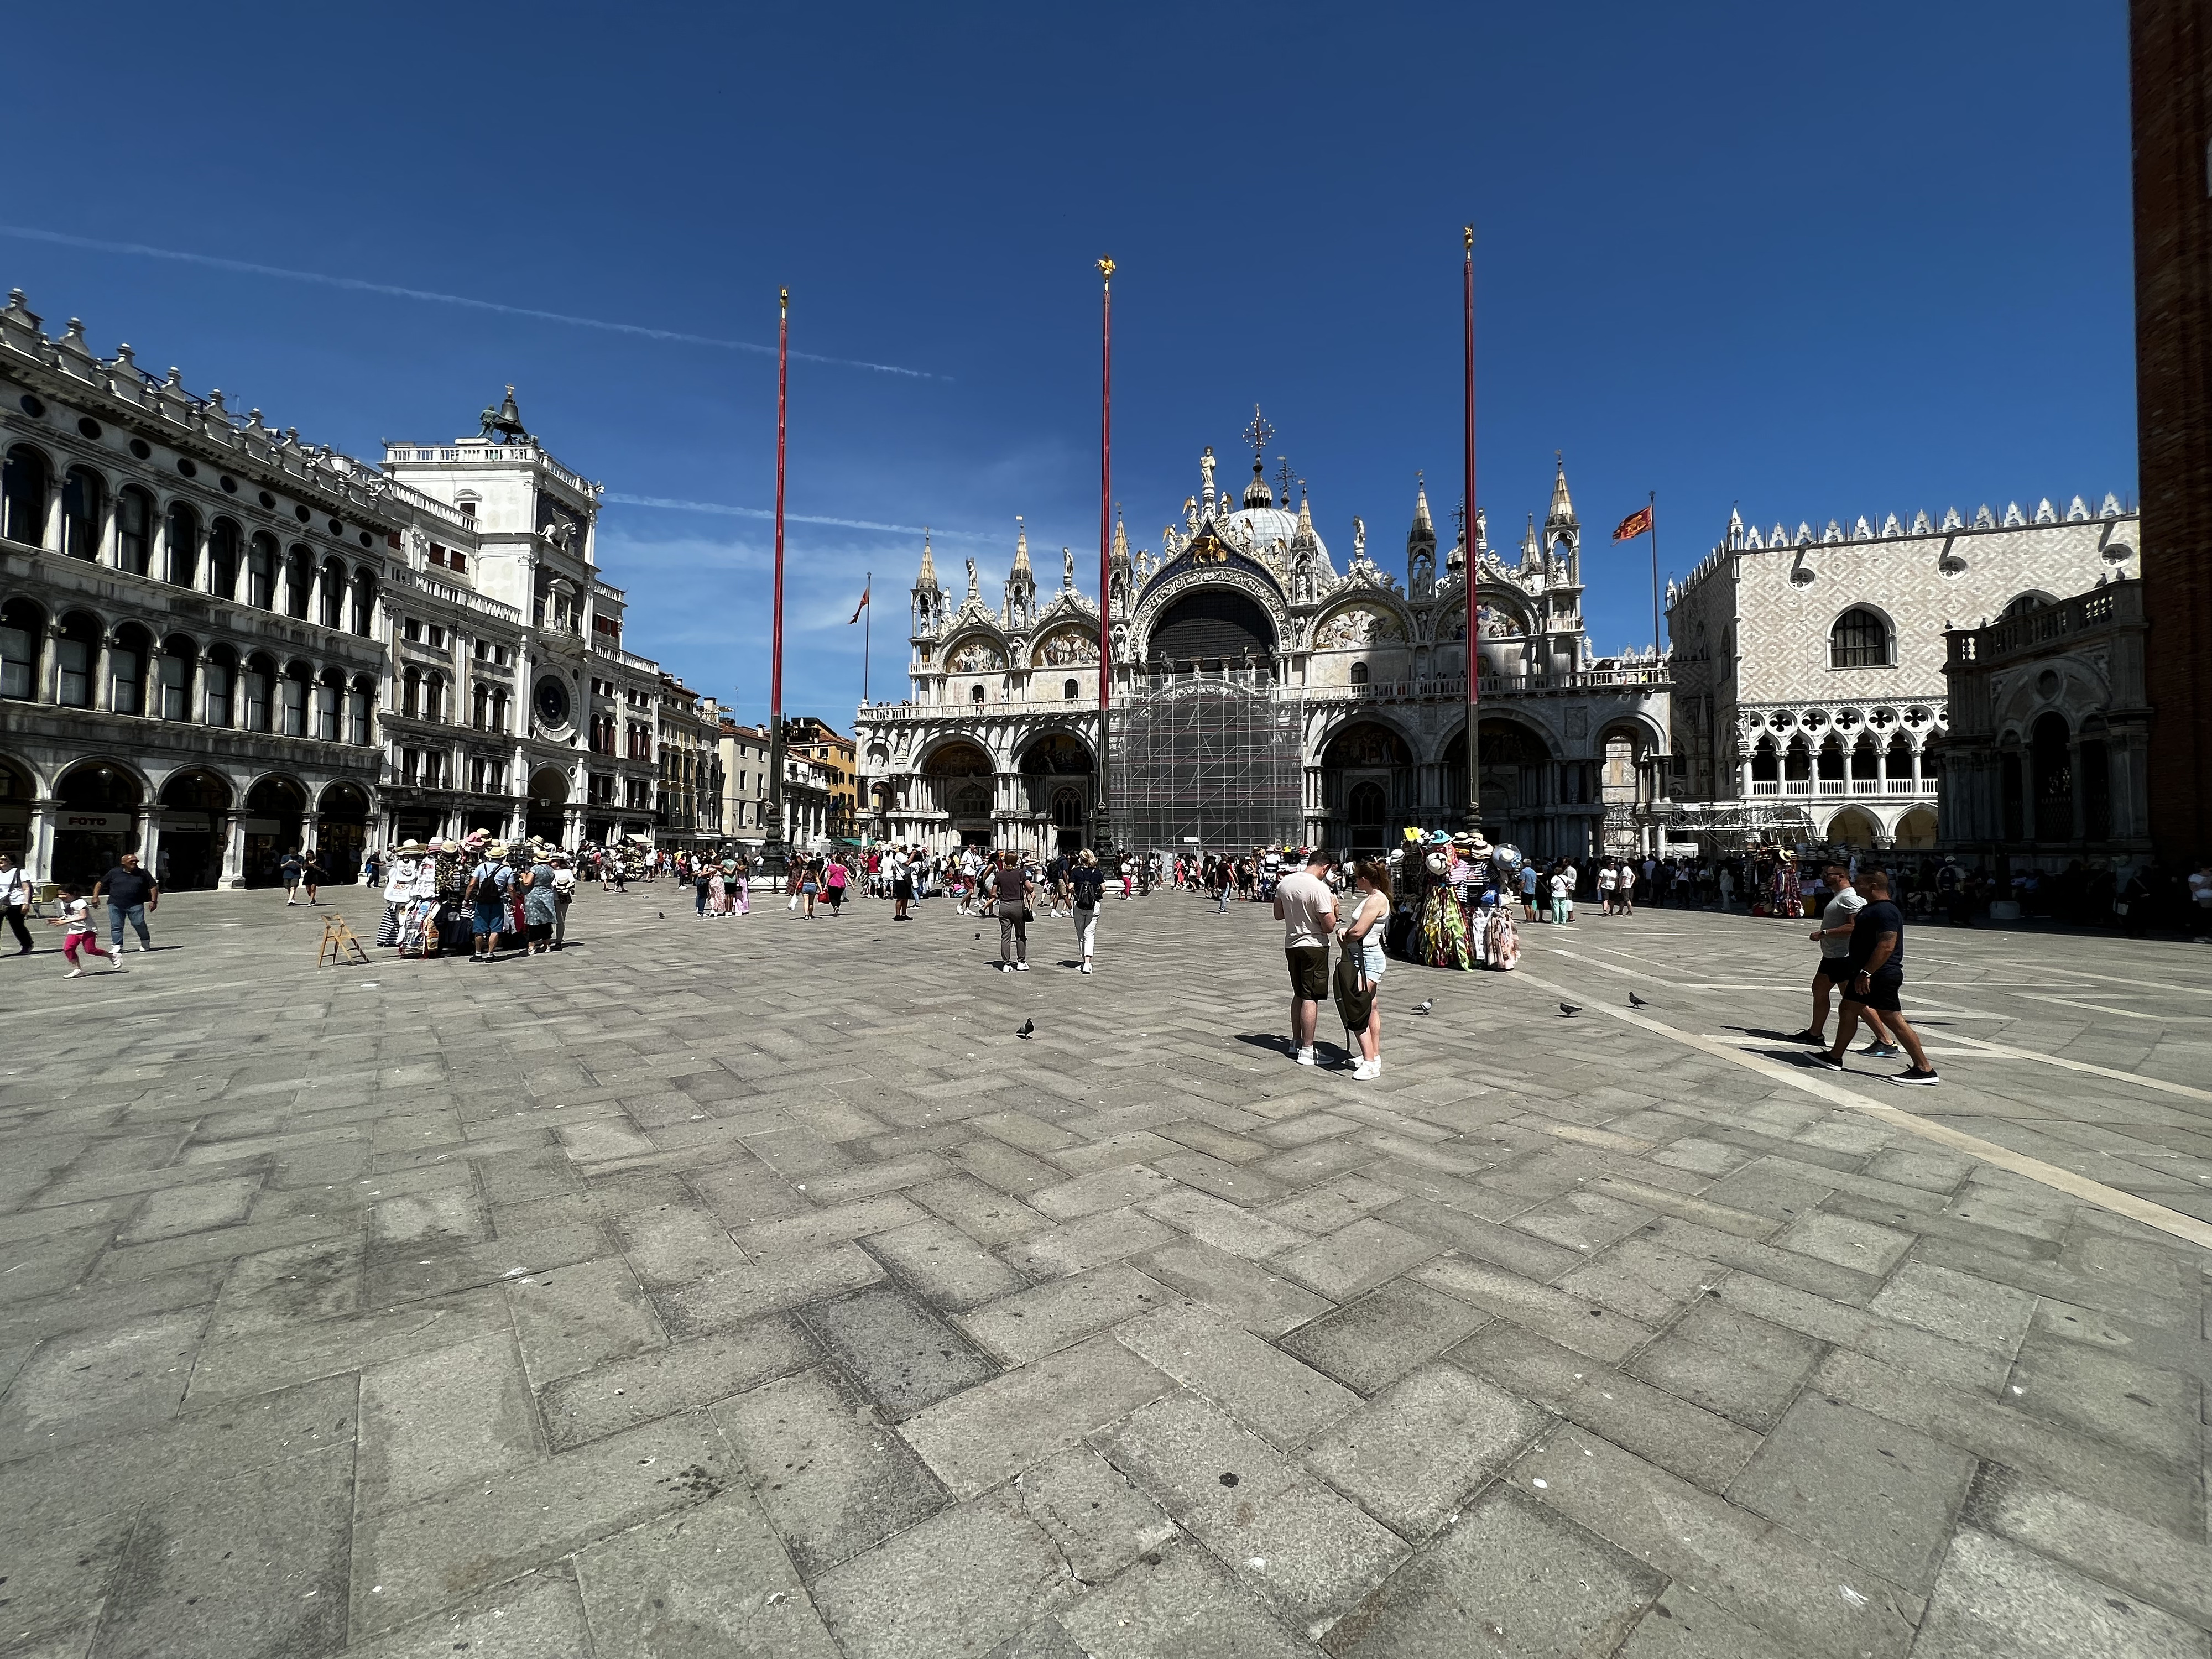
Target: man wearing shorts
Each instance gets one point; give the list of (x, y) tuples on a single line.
[(1875, 976), (1307, 910), (1833, 936)]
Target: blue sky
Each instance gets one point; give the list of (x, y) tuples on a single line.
[(1821, 261)]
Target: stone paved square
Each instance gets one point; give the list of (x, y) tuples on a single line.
[(750, 1288)]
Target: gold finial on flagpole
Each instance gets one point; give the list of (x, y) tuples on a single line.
[(1106, 267), (783, 298)]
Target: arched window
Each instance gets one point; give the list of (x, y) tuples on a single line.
[(172, 679), (224, 540), (259, 684), (330, 609), (480, 708), (134, 530), (499, 711), (433, 697), (299, 581), (1070, 690), (975, 694), (23, 496), (261, 573), (126, 669), (1765, 763), (82, 495), (181, 545), (292, 691), (330, 700), (22, 630), (1860, 639), (358, 701), (411, 693), (2026, 602), (364, 602), (1359, 673), (76, 653), (218, 678)]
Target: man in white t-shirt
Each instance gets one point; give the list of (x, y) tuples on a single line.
[(1307, 910)]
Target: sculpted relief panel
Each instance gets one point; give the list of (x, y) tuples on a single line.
[(1067, 648), (977, 657), (1355, 626)]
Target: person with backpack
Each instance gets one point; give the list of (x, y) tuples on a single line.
[(1086, 885), (490, 884)]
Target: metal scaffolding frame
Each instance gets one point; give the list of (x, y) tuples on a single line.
[(1212, 761)]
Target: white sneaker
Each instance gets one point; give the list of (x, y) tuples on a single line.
[(1366, 1071), (1021, 967), (1305, 1057), (1087, 967), (74, 973)]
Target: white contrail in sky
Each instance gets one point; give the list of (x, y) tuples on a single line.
[(359, 286), (791, 518)]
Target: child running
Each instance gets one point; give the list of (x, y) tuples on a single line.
[(79, 935)]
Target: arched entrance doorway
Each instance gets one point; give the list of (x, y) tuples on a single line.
[(548, 813), (959, 781), (344, 835), (1514, 762), (1853, 827), (1916, 831), (1056, 771), (97, 823), (276, 810), (1366, 771), (189, 853)]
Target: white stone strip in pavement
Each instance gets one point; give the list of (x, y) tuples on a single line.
[(2122, 1013), (2114, 979), (2033, 1169)]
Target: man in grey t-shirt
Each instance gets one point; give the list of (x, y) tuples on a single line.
[(1307, 910), (1833, 936)]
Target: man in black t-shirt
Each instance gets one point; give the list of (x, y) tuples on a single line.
[(130, 893), (1874, 974)]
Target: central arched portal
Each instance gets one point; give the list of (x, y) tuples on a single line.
[(1367, 780), (1215, 629)]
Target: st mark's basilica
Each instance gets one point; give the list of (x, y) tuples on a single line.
[(1265, 693)]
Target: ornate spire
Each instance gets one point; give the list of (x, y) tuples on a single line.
[(1304, 535), (1532, 550), (927, 577), (1119, 551), (1424, 527), (1021, 544), (1563, 507)]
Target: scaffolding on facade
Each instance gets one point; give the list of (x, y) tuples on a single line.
[(1208, 760)]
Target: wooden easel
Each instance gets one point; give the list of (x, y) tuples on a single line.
[(336, 938)]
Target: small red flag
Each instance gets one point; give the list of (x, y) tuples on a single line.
[(1633, 525), (858, 608)]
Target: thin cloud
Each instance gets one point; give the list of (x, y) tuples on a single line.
[(795, 518), (358, 285)]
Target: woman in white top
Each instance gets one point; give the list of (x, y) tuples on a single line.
[(1608, 880), (1364, 932), (14, 899)]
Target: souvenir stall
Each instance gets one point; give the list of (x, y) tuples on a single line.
[(1447, 888)]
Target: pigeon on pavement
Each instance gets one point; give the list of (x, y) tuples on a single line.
[(1566, 1008), (1027, 1026), (1636, 1002), (1424, 1007)]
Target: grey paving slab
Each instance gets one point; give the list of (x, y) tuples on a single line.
[(323, 1225), (662, 1381), (1511, 1577), (252, 1564), (711, 1579), (1873, 1491), (1412, 1453), (833, 1478), (1999, 1601), (901, 1353)]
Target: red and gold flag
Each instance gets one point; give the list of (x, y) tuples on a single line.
[(1633, 525), (858, 608)]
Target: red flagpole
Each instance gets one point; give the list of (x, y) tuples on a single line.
[(1105, 523), (1473, 613), (776, 668)]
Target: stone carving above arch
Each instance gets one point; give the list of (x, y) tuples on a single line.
[(977, 656), (1357, 625), (1065, 647)]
